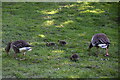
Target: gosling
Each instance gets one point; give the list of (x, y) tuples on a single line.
[(74, 57), (62, 42), (50, 44)]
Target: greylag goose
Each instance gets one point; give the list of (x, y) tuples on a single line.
[(74, 57), (100, 40), (18, 47)]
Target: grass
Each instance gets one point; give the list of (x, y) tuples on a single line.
[(75, 23)]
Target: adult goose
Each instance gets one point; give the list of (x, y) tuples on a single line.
[(100, 40), (18, 47)]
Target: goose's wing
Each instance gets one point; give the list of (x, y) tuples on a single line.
[(21, 43), (103, 40), (17, 44), (100, 39)]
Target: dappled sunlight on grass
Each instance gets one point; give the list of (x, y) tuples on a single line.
[(97, 11), (68, 6), (58, 51), (48, 23), (41, 35), (84, 7), (88, 6), (49, 12), (65, 23), (68, 22)]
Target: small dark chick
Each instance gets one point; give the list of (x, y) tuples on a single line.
[(50, 44), (62, 42), (74, 57)]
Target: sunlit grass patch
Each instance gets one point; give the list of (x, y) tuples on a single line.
[(50, 12), (57, 51), (41, 35), (93, 11), (67, 22), (48, 23)]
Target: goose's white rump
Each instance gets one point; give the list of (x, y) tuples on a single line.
[(25, 49), (102, 45)]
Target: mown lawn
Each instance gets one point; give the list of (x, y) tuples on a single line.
[(76, 23)]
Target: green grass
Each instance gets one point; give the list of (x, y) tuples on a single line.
[(38, 23)]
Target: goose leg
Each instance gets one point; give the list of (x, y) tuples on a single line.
[(24, 53), (7, 53), (15, 56), (107, 52), (15, 51)]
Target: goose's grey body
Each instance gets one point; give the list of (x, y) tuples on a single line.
[(98, 40), (16, 45)]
